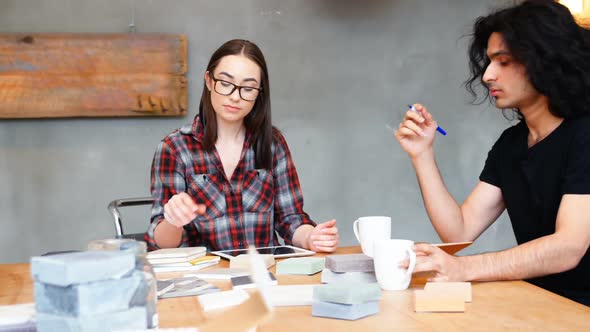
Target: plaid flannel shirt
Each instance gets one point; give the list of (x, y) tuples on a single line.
[(246, 210)]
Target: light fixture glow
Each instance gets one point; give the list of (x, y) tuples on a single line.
[(575, 6)]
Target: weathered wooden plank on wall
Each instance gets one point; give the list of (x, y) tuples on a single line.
[(92, 75)]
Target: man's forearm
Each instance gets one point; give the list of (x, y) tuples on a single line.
[(443, 210), (546, 255)]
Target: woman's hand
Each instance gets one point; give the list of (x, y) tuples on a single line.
[(324, 237), (181, 210)]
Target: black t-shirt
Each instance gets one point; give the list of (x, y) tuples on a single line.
[(533, 181)]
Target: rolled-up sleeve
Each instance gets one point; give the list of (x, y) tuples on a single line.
[(167, 179), (288, 205)]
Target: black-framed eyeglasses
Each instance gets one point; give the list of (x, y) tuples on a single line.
[(225, 88)]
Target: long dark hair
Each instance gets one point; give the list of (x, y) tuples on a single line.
[(258, 122), (544, 37)]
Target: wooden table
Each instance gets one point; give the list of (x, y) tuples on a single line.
[(506, 306)]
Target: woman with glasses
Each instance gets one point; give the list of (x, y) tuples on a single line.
[(227, 180)]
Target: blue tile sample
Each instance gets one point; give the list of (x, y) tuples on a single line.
[(23, 327), (128, 319), (344, 311), (347, 292)]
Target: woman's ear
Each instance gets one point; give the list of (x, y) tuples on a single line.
[(208, 80)]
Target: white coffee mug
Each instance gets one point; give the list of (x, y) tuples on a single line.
[(387, 256), (369, 229)]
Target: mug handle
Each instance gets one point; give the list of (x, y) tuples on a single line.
[(412, 261), (355, 228)]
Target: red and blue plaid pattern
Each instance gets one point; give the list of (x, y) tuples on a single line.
[(245, 210)]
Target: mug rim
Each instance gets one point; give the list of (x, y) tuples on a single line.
[(376, 217), (400, 241)]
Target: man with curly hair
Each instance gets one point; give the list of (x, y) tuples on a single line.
[(534, 59)]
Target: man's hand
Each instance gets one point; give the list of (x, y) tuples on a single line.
[(181, 210), (430, 258), (416, 132), (324, 237)]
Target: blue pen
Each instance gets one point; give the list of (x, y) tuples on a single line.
[(439, 129)]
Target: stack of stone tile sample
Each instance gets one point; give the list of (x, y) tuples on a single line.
[(89, 291), (346, 300)]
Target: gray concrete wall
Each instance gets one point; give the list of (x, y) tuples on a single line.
[(340, 69)]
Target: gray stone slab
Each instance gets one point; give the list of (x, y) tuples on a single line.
[(302, 265), (128, 319), (350, 263), (81, 267), (89, 298)]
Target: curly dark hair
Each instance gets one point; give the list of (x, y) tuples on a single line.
[(543, 36)]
